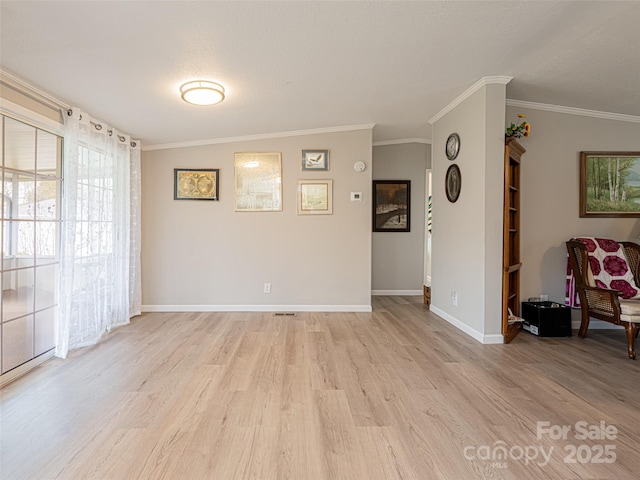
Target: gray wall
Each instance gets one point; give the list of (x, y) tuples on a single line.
[(398, 257), (550, 192), (467, 235), (202, 255)]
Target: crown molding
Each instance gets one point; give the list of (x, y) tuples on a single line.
[(484, 81), (573, 111), (30, 117), (401, 141), (31, 91), (263, 136)]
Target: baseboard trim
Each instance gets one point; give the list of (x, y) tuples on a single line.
[(493, 339), (476, 335), (395, 293), (256, 308), (596, 325), (11, 375)]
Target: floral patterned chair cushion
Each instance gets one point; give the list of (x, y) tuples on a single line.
[(608, 267), (605, 274)]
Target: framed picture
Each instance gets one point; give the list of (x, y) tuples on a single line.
[(258, 182), (610, 184), (315, 160), (453, 183), (315, 197), (391, 205), (195, 184)]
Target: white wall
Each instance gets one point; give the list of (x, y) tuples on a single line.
[(467, 235), (398, 257), (202, 255), (550, 192)]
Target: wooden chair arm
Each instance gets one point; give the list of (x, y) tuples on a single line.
[(601, 301)]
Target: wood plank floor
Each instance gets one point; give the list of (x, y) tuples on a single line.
[(393, 394)]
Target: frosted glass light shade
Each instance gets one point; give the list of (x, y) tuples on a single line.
[(202, 92)]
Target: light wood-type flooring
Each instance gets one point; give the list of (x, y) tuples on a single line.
[(394, 394)]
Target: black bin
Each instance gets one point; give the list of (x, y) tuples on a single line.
[(546, 319)]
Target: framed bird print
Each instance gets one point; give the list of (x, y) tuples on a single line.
[(315, 160)]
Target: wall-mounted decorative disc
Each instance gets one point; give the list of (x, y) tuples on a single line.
[(452, 183)]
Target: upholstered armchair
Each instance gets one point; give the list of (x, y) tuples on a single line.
[(605, 303)]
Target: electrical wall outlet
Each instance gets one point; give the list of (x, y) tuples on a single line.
[(454, 298), (544, 297), (267, 288)]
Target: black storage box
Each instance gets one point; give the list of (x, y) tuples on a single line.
[(546, 319)]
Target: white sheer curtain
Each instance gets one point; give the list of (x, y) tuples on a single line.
[(100, 238), (135, 191)]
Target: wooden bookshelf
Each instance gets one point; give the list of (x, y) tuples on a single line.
[(511, 263)]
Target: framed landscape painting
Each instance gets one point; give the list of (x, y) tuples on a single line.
[(391, 205), (609, 184), (315, 197)]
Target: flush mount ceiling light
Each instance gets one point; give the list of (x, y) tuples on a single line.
[(202, 92)]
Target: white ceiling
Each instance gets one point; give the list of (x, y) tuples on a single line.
[(291, 66)]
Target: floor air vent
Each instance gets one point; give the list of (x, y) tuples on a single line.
[(284, 314)]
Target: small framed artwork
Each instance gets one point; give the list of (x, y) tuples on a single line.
[(315, 160), (258, 182), (315, 197), (610, 184), (391, 205), (453, 183), (195, 184)]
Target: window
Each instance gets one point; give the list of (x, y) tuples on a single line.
[(31, 185)]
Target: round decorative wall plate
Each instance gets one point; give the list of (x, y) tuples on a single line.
[(452, 183), (453, 146)]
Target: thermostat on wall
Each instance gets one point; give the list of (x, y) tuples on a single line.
[(359, 166)]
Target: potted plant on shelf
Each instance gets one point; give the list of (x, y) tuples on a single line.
[(522, 129)]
